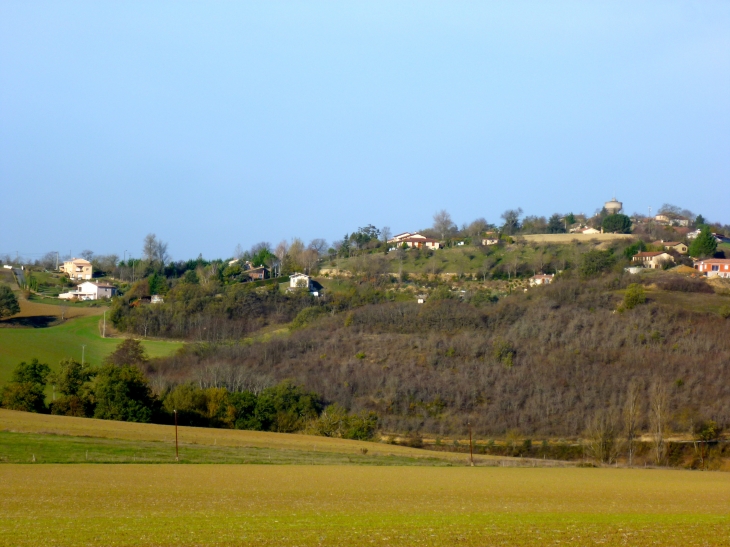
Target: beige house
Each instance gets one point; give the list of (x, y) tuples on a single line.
[(653, 260), (678, 246), (77, 268)]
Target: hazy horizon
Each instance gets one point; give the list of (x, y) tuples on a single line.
[(218, 124)]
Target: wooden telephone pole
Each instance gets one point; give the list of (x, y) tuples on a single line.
[(177, 457), (471, 446)]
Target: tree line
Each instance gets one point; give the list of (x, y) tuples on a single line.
[(120, 390)]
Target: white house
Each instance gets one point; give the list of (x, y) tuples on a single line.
[(541, 279), (653, 260), (490, 238), (590, 231), (90, 291), (300, 281)]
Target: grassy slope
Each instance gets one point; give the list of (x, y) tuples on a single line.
[(29, 423), (52, 344), (348, 505), (467, 259)]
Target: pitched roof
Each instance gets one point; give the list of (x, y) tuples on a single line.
[(715, 261), (649, 254), (421, 239)]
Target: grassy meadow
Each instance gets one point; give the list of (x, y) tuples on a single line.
[(22, 432), (51, 344), (170, 504)]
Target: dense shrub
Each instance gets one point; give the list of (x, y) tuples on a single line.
[(683, 284)]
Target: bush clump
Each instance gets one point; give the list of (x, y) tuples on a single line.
[(634, 296)]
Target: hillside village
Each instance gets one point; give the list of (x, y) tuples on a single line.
[(411, 334), (661, 242)]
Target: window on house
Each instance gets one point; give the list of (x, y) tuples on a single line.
[(715, 267)]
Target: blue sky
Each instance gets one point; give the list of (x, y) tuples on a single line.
[(212, 124)]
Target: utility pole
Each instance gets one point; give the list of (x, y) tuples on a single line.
[(56, 260), (83, 351), (103, 331), (177, 457), (471, 446)]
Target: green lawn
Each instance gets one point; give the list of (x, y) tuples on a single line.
[(52, 344)]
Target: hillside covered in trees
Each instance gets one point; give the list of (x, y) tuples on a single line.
[(540, 363)]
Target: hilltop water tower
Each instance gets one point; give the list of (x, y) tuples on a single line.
[(613, 207)]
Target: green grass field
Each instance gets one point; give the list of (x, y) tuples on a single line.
[(316, 491), (26, 432), (52, 344), (285, 505)]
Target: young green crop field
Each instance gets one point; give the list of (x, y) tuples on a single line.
[(318, 491), (51, 344), (61, 439), (284, 505)]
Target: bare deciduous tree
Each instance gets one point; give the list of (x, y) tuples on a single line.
[(658, 418), (319, 245), (477, 227), (442, 223), (511, 219), (309, 258), (385, 234), (281, 250), (87, 254), (238, 252), (155, 250), (631, 419), (601, 436)]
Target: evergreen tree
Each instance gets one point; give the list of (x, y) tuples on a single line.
[(617, 224), (704, 245), (8, 302), (556, 225)]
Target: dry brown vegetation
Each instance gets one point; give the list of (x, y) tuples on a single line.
[(541, 363)]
